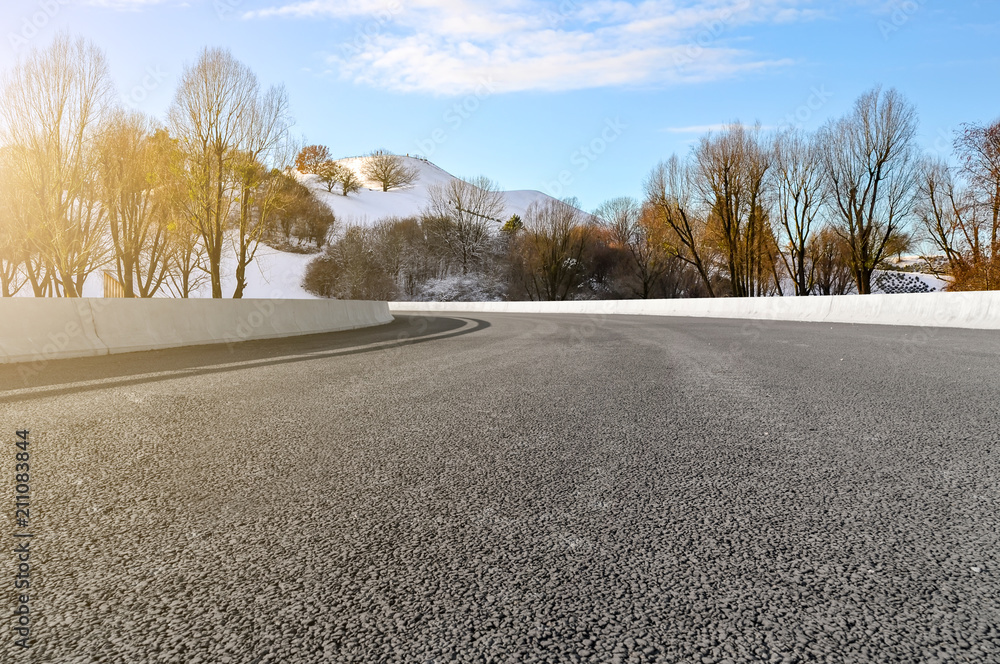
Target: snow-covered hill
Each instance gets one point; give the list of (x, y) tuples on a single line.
[(371, 203)]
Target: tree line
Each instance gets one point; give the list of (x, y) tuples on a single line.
[(746, 213), (89, 184)]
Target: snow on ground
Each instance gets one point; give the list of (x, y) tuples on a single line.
[(274, 275), (367, 206)]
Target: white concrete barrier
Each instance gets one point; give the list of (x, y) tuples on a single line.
[(42, 329), (37, 330), (980, 310)]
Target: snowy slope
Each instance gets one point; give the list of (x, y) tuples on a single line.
[(275, 275), (371, 203)]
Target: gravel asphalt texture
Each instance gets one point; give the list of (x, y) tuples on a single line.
[(517, 488)]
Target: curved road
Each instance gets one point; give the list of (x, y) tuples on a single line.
[(518, 488)]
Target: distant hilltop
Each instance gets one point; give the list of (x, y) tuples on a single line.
[(370, 203)]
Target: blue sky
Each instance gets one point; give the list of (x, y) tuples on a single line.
[(570, 97)]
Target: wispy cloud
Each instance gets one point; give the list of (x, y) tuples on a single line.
[(326, 8), (132, 5), (453, 46)]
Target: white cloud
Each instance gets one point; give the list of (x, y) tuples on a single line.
[(337, 9), (453, 46), (130, 4)]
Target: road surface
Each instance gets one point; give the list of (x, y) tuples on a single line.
[(517, 488)]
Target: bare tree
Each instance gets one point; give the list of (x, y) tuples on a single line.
[(188, 260), (13, 230), (53, 101), (553, 244), (829, 255), (133, 166), (978, 149), (731, 169), (236, 139), (799, 198), (12, 277), (960, 208), (349, 181), (417, 262), (639, 235), (462, 216), (24, 255), (208, 118), (668, 193), (264, 156), (330, 173), (389, 170), (942, 208), (870, 169), (20, 231)]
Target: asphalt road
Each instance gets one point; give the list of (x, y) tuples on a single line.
[(516, 488)]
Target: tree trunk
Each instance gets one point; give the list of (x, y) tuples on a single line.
[(215, 269), (127, 275), (241, 270)]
